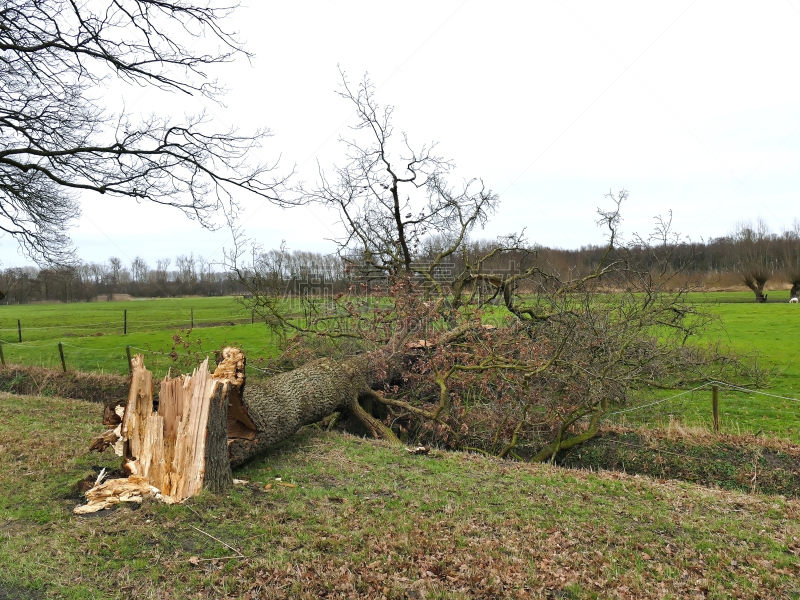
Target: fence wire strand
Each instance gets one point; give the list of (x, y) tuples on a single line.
[(699, 387)]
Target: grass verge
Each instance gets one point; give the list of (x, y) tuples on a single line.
[(735, 462), (36, 381), (361, 519)]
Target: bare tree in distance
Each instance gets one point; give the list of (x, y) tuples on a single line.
[(139, 269), (791, 257), (57, 140), (755, 268)]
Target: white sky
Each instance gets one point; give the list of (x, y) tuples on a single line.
[(692, 106)]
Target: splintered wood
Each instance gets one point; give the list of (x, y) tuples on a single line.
[(173, 452), (114, 491)]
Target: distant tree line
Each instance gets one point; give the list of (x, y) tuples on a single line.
[(751, 255), (88, 281)]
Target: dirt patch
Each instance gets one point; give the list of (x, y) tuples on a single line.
[(37, 381), (15, 527), (743, 463), (13, 592)]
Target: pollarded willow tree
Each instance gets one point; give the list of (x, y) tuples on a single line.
[(57, 59), (755, 267), (438, 342)]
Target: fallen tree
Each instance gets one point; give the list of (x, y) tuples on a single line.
[(437, 341), (471, 345), (203, 424)]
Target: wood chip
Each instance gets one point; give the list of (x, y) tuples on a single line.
[(114, 491)]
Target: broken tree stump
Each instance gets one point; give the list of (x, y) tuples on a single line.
[(204, 424), (174, 448)]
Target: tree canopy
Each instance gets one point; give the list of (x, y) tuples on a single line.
[(57, 139)]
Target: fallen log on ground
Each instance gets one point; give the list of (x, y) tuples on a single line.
[(203, 424)]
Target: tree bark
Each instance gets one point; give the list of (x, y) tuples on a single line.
[(280, 405)]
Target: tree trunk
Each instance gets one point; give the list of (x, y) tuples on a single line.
[(204, 424), (173, 448), (756, 279), (276, 408)]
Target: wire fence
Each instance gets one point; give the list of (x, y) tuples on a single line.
[(18, 333), (780, 415), (709, 384), (43, 344), (109, 359), (56, 353)]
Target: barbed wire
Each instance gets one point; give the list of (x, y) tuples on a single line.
[(30, 345), (749, 391), (65, 345), (75, 326), (133, 323), (705, 385), (662, 400), (51, 343)]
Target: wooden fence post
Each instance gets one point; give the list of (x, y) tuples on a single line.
[(125, 321), (192, 327), (715, 406), (61, 352), (19, 330), (130, 364), (2, 358)]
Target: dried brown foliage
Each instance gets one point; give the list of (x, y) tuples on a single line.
[(486, 347)]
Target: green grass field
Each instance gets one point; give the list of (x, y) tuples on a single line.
[(363, 519), (774, 297), (91, 334), (93, 340), (53, 321), (772, 331)]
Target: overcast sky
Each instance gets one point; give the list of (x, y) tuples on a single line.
[(692, 106)]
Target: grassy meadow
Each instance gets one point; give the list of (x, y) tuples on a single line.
[(355, 518), (92, 338), (772, 332)]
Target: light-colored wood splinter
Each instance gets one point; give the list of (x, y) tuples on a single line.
[(176, 451)]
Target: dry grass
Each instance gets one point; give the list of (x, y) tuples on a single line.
[(368, 521), (38, 381)]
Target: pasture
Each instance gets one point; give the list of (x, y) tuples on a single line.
[(93, 340), (772, 333), (331, 515)]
